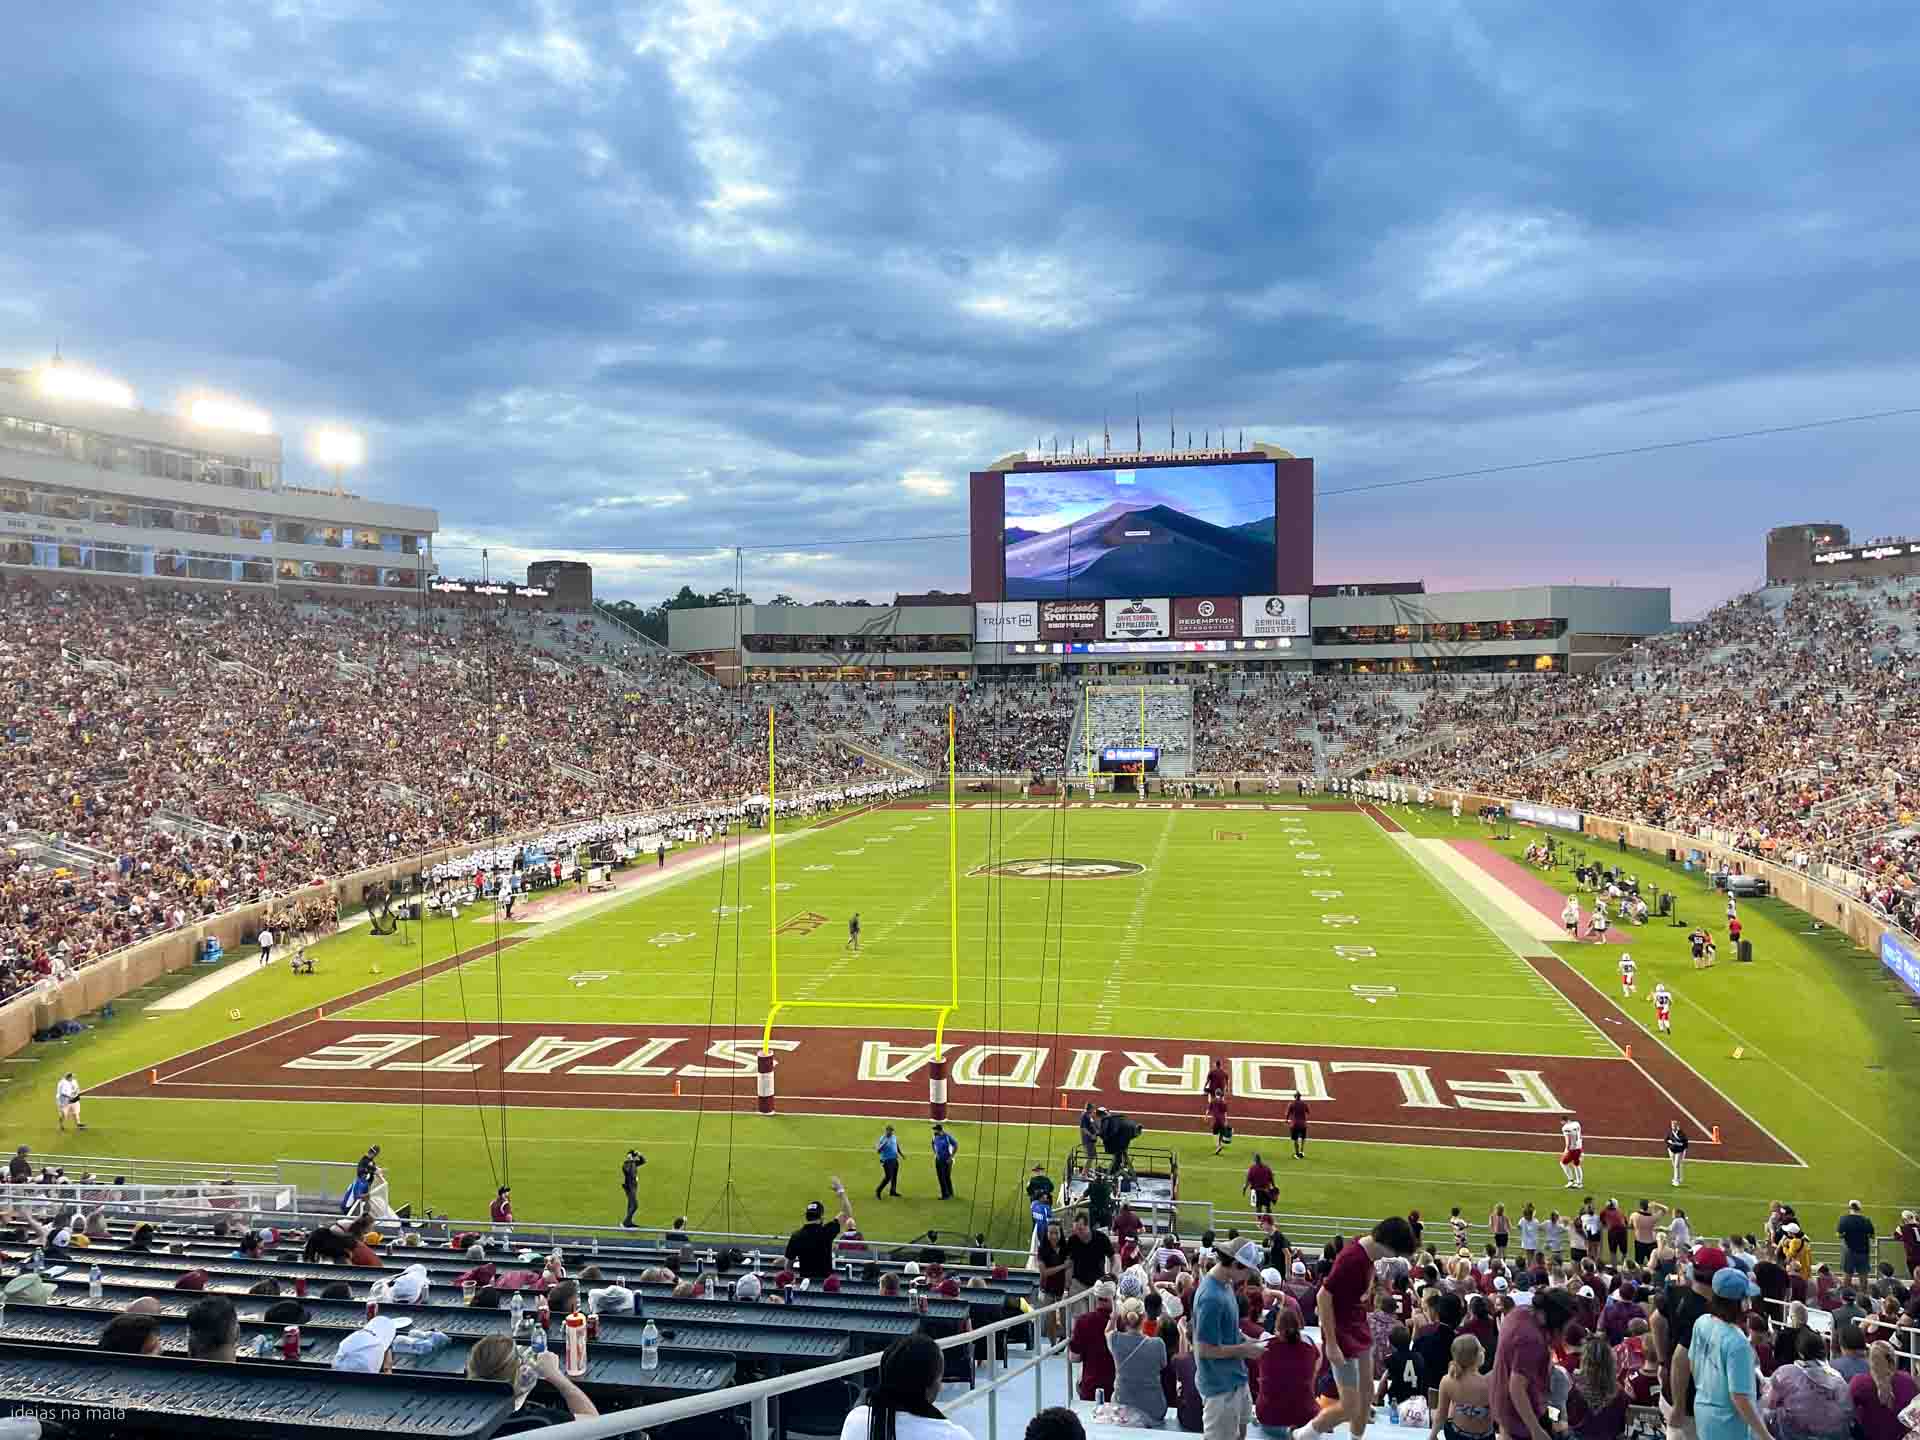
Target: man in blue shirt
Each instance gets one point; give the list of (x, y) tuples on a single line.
[(888, 1149), (945, 1147), (1220, 1351)]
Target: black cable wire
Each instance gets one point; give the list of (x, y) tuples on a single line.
[(1647, 449), (466, 1026), (1654, 447)]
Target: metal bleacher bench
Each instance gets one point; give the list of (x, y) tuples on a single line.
[(131, 1397), (855, 1314), (614, 1373)]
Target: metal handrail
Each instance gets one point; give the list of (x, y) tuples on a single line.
[(756, 1393)]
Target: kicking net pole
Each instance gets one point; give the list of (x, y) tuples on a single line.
[(763, 1079)]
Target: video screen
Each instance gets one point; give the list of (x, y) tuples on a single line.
[(1160, 530)]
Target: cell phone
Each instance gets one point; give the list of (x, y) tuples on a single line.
[(1553, 1414)]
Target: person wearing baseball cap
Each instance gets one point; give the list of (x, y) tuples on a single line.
[(1679, 1311), (368, 1350), (1346, 1334), (1221, 1352), (810, 1248), (1721, 1360)]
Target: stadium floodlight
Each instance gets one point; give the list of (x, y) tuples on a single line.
[(336, 449), (216, 412), (61, 381)]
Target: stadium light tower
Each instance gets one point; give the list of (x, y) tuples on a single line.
[(58, 380), (336, 449), (217, 412)]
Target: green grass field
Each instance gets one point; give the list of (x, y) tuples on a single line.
[(1216, 939)]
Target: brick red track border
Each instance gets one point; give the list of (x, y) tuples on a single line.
[(1622, 1102)]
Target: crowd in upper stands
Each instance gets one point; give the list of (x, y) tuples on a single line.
[(188, 751), (1787, 723)]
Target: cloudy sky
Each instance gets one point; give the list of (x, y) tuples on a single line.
[(597, 279)]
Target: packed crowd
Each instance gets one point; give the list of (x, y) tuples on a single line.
[(1792, 730), (172, 754), (1557, 1327)]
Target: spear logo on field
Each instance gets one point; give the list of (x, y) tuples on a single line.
[(1049, 869)]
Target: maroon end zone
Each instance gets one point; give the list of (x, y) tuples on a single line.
[(1485, 1101)]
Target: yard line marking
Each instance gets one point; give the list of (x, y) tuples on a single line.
[(1760, 1054)]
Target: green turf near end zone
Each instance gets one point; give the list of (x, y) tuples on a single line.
[(1234, 929), (564, 1164)]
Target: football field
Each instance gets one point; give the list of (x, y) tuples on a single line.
[(1211, 925), (1069, 954)]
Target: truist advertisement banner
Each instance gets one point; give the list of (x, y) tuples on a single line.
[(1206, 617), (1139, 619), (1006, 620)]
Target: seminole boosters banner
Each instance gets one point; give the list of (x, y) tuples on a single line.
[(1206, 617), (1266, 615), (1139, 619)]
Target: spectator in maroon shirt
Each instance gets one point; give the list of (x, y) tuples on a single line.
[(1344, 1328), (1285, 1398), (1880, 1395), (1261, 1190), (1523, 1363), (1297, 1125), (1126, 1225), (1088, 1343)]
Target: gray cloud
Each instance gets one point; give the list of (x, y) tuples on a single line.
[(562, 260)]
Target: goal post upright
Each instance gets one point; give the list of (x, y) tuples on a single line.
[(941, 1011)]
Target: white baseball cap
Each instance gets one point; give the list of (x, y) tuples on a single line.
[(365, 1350), (409, 1287)]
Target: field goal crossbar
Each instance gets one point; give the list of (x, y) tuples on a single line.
[(942, 1011)]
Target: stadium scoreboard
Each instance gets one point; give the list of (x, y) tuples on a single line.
[(1176, 554)]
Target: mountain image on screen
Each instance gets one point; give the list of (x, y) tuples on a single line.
[(1143, 545)]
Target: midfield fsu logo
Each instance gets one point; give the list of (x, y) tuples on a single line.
[(1046, 869)]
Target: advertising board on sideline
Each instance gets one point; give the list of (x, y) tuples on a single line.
[(1899, 957), (1557, 816)]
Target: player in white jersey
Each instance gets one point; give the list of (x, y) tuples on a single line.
[(1597, 923), (1626, 974), (1663, 1008), (1571, 1157), (1570, 917)]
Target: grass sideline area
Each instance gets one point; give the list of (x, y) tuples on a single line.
[(1218, 938)]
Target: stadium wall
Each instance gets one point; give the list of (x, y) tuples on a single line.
[(1829, 905)]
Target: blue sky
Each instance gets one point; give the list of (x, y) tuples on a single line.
[(596, 278)]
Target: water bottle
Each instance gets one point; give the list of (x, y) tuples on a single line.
[(650, 1347), (539, 1342), (1393, 1412), (39, 1259), (519, 1313), (93, 1283), (575, 1332)]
